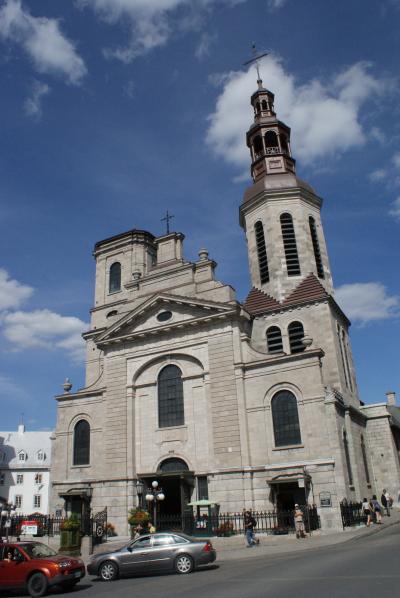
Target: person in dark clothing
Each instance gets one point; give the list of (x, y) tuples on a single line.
[(249, 525), (384, 503)]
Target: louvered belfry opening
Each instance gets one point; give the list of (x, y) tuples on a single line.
[(290, 245), (317, 252), (296, 335), (274, 340), (261, 252)]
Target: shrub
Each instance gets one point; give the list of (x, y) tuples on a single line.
[(70, 524), (110, 530), (137, 516), (225, 529)]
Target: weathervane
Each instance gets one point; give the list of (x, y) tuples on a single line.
[(167, 218), (255, 59)]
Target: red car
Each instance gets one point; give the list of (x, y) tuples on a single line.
[(35, 567)]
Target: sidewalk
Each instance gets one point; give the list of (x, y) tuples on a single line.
[(234, 547)]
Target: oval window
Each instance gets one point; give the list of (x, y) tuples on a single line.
[(163, 316)]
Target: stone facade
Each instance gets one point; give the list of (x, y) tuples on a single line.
[(238, 364)]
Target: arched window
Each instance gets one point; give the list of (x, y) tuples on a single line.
[(271, 142), (296, 335), (274, 340), (346, 356), (264, 105), (290, 246), (347, 456), (284, 144), (173, 464), (317, 253), (258, 146), (365, 460), (258, 107), (115, 277), (81, 443), (170, 397), (261, 252), (285, 419), (342, 354), (112, 313)]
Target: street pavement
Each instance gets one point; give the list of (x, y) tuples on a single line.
[(364, 566)]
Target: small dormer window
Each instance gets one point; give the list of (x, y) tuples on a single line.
[(21, 456), (112, 313), (41, 455), (164, 316)]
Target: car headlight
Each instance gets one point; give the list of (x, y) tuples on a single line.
[(64, 564)]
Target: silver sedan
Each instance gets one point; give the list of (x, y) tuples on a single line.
[(155, 552)]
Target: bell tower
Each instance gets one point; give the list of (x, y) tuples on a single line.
[(280, 213)]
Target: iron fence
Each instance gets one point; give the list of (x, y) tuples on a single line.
[(227, 524), (352, 513)]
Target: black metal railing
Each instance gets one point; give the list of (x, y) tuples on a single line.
[(228, 524), (49, 525), (352, 513)]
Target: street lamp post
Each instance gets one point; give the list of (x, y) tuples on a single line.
[(139, 492), (154, 495), (7, 511)]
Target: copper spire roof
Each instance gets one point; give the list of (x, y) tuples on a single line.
[(310, 289)]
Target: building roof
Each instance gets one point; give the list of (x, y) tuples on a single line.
[(12, 443), (310, 289)]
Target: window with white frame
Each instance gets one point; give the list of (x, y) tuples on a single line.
[(37, 499), (40, 455), (18, 501), (22, 456), (2, 478), (38, 478), (20, 478)]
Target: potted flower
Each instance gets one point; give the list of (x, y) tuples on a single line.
[(138, 517), (225, 529), (70, 536)]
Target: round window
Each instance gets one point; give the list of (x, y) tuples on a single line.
[(163, 316)]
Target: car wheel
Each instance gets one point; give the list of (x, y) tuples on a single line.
[(37, 585), (184, 564), (108, 571)]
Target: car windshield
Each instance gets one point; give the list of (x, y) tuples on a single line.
[(36, 550)]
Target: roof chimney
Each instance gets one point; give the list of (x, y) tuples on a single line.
[(391, 397), (21, 429)]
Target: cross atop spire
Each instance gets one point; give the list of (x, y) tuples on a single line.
[(255, 60), (167, 218)]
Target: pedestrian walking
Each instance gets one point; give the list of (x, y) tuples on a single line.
[(150, 527), (385, 503), (299, 522), (366, 509), (249, 525), (376, 508)]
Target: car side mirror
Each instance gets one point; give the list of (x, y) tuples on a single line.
[(129, 548)]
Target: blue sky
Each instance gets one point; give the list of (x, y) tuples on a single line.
[(115, 110)]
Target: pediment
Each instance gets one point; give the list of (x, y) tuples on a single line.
[(162, 313)]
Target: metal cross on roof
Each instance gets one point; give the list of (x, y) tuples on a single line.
[(255, 59), (167, 218)]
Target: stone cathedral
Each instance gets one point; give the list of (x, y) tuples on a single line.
[(249, 405)]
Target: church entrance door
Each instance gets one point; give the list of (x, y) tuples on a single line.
[(289, 494)]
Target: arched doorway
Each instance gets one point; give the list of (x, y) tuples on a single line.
[(177, 483)]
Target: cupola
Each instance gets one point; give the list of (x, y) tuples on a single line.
[(268, 138)]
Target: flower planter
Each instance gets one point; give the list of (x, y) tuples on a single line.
[(70, 542)]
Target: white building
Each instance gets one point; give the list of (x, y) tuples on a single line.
[(25, 459)]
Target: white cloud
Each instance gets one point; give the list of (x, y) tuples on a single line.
[(276, 4), (324, 116), (44, 328), (12, 292), (42, 39), (152, 22), (366, 302), (377, 134), (395, 209), (204, 46), (378, 175), (33, 104), (396, 160)]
